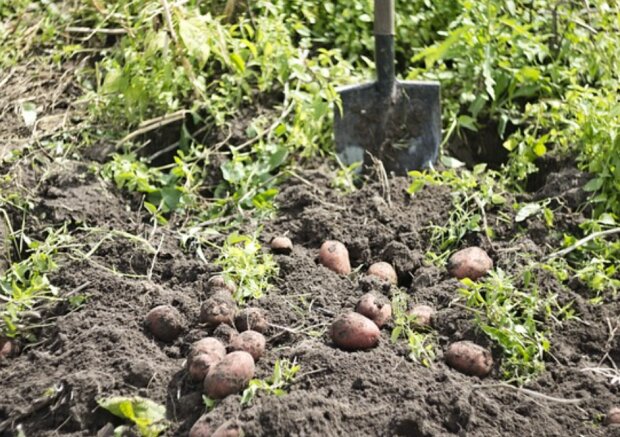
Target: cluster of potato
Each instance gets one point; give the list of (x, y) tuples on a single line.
[(222, 369)]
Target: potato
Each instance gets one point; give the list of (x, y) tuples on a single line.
[(251, 318), (218, 282), (218, 309), (376, 308), (335, 256), (200, 429), (613, 416), (472, 263), (250, 341), (423, 314), (8, 348), (230, 375), (225, 333), (383, 271), (203, 355), (353, 331), (230, 428), (282, 245), (469, 358), (164, 322)]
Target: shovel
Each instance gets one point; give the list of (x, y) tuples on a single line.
[(396, 122)]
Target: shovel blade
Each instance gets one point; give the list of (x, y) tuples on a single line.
[(402, 129)]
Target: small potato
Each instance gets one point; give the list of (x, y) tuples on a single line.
[(251, 318), (164, 322), (230, 428), (230, 375), (250, 341), (282, 245), (208, 345), (469, 358), (376, 308), (199, 365), (335, 256), (8, 348), (383, 271), (613, 416), (423, 314), (200, 429), (472, 263), (218, 282), (218, 309), (353, 331)]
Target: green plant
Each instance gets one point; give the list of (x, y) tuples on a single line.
[(421, 344), (148, 416), (245, 264), (284, 372)]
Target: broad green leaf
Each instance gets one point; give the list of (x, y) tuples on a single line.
[(527, 210), (193, 32)]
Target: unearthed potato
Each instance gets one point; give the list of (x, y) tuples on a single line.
[(376, 308), (208, 345), (199, 365), (8, 348), (200, 429), (423, 313), (230, 428), (472, 263), (250, 341), (164, 322), (225, 333), (469, 358), (282, 245), (251, 318), (230, 375), (218, 309), (218, 282), (613, 416), (353, 331), (383, 271), (335, 256)]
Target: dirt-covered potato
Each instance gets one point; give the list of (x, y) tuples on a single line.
[(282, 245), (230, 375), (8, 348), (218, 282), (423, 314), (251, 318), (469, 358), (250, 341), (613, 416), (383, 271), (376, 307), (231, 428), (204, 354), (164, 322), (225, 333), (353, 331), (472, 263), (335, 256), (201, 428), (219, 308)]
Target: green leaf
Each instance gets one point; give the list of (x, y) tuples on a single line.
[(238, 61), (149, 416), (527, 210), (594, 184), (193, 32)]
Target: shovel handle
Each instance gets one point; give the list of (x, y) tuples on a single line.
[(384, 46)]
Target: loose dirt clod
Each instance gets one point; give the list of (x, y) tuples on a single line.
[(469, 358), (165, 323), (376, 307), (472, 263), (383, 271), (282, 245)]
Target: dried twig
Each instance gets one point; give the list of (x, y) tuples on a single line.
[(581, 242)]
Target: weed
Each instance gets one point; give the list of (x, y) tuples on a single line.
[(421, 344), (148, 416), (284, 372)]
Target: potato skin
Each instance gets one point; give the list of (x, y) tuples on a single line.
[(424, 314), (335, 256), (199, 365), (469, 358), (613, 416), (218, 282), (472, 263), (230, 428), (200, 428), (376, 308), (352, 331), (230, 375), (282, 245), (251, 318), (164, 322), (208, 345), (8, 348), (225, 333), (250, 341), (383, 271), (218, 309)]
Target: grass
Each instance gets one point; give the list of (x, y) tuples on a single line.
[(421, 345)]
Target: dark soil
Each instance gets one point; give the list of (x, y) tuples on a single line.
[(102, 349)]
